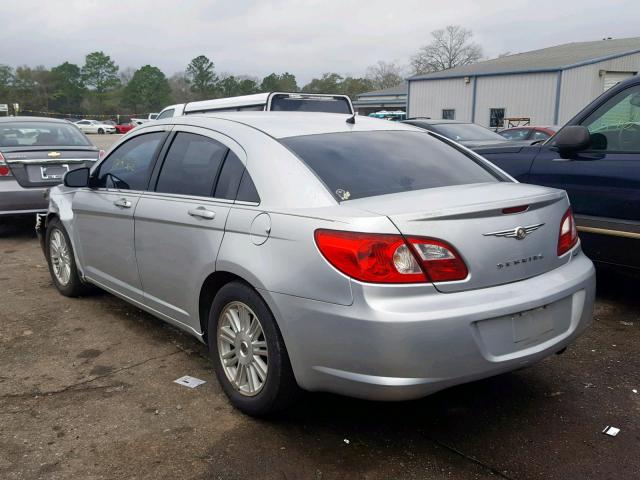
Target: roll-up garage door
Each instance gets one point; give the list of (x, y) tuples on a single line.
[(611, 78)]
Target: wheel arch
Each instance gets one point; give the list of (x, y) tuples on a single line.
[(210, 287)]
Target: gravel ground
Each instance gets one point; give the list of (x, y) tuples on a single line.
[(86, 391), (104, 141)]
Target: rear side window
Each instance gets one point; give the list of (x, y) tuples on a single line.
[(247, 191), (129, 166), (365, 164), (165, 114), (191, 165), (230, 176), (285, 103)]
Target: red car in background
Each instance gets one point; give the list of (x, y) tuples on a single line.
[(124, 127), (532, 133)]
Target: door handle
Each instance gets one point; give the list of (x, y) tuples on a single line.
[(202, 212), (123, 203)]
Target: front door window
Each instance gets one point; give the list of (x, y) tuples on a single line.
[(615, 126)]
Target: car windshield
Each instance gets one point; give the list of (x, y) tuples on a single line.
[(463, 132), (365, 164), (50, 134)]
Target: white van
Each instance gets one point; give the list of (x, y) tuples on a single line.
[(273, 101)]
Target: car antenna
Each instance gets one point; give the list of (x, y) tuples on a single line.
[(352, 119)]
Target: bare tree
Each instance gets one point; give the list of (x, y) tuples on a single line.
[(385, 75), (181, 88), (451, 47)]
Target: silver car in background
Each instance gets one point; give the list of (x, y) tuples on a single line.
[(325, 252), (35, 153)]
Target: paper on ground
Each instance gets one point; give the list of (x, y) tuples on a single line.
[(191, 382), (611, 431)]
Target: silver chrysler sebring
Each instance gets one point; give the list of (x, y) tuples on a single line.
[(324, 252)]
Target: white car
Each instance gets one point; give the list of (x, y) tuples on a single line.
[(95, 126)]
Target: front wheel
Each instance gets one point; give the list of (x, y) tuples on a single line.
[(248, 352), (61, 261), (101, 131)]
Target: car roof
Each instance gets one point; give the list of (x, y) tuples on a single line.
[(31, 119), (290, 124)]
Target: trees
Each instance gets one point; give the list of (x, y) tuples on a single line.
[(328, 83), (100, 74), (385, 75), (68, 88), (148, 90), (335, 83), (180, 88), (355, 86), (450, 47), (202, 76), (285, 82)]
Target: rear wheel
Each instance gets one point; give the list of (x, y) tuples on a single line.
[(62, 264), (248, 352)]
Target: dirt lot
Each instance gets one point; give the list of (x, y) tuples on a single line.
[(87, 392)]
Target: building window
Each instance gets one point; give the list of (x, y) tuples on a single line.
[(448, 114), (496, 117)]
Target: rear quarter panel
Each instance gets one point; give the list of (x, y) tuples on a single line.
[(288, 261)]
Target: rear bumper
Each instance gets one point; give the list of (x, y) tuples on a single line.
[(17, 200), (391, 346)]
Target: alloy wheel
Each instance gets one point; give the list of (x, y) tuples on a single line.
[(242, 348), (60, 257)]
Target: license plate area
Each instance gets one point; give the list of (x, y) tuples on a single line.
[(531, 324), (519, 331), (53, 172)]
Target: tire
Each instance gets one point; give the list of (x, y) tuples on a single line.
[(101, 131), (59, 253), (272, 392)]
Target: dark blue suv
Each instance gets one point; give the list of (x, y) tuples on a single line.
[(595, 157)]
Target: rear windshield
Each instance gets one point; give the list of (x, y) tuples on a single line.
[(365, 164), (461, 132), (26, 134), (284, 103)]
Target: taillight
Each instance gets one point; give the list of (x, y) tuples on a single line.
[(388, 258), (101, 154), (5, 171), (568, 234), (440, 260)]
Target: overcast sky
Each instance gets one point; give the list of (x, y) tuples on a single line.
[(304, 37)]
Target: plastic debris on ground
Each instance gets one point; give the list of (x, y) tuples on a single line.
[(611, 431), (191, 382)]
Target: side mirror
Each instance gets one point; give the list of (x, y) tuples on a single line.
[(76, 178), (572, 138)]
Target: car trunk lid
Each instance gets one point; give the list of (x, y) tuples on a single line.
[(497, 246), (45, 166)]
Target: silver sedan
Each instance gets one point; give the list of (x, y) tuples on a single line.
[(324, 252)]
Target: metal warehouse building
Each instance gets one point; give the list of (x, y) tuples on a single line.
[(394, 98), (547, 86)]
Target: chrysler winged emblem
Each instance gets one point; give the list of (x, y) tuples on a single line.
[(519, 233)]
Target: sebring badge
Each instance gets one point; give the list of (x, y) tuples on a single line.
[(519, 233)]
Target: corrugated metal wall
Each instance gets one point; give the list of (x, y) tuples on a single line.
[(530, 95), (429, 98), (583, 84)]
